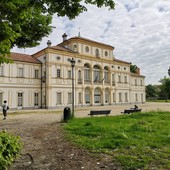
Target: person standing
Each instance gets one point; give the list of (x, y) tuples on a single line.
[(5, 108)]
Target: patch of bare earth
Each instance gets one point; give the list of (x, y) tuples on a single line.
[(46, 148)]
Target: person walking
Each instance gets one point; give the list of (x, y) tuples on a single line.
[(5, 108)]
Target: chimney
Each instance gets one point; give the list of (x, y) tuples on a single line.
[(138, 71), (49, 43), (64, 37)]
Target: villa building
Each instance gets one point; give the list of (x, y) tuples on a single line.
[(44, 79)]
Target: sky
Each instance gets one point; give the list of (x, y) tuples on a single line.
[(139, 31)]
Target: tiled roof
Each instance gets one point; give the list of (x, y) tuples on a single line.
[(86, 39), (62, 48), (121, 61), (24, 58)]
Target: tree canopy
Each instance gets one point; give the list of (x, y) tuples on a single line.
[(23, 23), (133, 68)]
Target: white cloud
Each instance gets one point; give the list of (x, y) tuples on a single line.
[(139, 31)]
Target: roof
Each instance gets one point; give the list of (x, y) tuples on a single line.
[(24, 58), (117, 60), (86, 39), (62, 48)]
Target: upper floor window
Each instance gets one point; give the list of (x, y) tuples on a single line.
[(106, 53), (125, 78), (1, 70), (106, 74), (119, 78), (79, 74), (97, 53), (74, 47), (20, 72), (87, 49), (36, 74), (87, 76), (58, 73), (141, 82), (69, 74), (135, 82)]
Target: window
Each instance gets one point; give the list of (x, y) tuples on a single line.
[(79, 74), (97, 53), (35, 99), (58, 97), (87, 96), (36, 74), (106, 96), (86, 72), (86, 49), (135, 82), (21, 72), (58, 73), (20, 97), (126, 97), (141, 82), (0, 98), (136, 97), (106, 75), (80, 98), (74, 47), (96, 74), (120, 97), (106, 53), (69, 98), (69, 74), (125, 79), (119, 78), (114, 99), (1, 70)]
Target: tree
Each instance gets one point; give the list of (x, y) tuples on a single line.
[(23, 23), (133, 68), (151, 91), (165, 88)]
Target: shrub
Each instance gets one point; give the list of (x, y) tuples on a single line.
[(10, 147)]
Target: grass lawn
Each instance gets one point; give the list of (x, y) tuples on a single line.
[(136, 141)]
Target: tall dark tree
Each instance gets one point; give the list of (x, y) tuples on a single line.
[(151, 91), (165, 88), (133, 68), (23, 23)]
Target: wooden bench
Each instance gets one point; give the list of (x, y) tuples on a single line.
[(99, 112), (128, 111)]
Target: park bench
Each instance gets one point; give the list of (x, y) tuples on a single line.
[(131, 110), (99, 112)]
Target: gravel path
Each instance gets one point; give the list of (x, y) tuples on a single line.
[(45, 147)]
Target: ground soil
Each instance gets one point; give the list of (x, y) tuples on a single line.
[(45, 146)]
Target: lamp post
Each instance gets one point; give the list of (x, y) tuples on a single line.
[(72, 61)]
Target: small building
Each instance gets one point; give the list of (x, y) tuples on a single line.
[(44, 79)]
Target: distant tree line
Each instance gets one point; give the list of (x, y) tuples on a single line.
[(159, 92)]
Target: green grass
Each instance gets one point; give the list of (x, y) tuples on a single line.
[(136, 141), (159, 101)]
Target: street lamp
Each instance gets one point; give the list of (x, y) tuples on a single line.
[(72, 61)]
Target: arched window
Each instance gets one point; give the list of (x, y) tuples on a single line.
[(87, 95), (97, 96), (96, 73), (87, 49), (106, 74), (87, 77)]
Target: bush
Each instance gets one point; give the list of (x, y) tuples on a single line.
[(10, 147)]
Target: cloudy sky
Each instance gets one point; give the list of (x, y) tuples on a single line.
[(139, 31)]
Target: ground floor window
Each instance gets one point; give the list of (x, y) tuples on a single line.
[(97, 96), (69, 98), (120, 97), (136, 97), (114, 99), (58, 97), (36, 99), (1, 99), (20, 99), (126, 97), (80, 97), (87, 96), (106, 96)]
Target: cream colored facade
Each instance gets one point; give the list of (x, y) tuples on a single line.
[(99, 78)]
